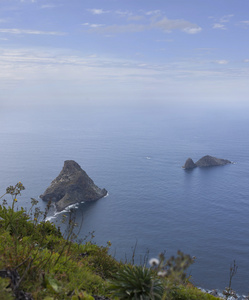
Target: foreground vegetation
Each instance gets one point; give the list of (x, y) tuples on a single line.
[(38, 262)]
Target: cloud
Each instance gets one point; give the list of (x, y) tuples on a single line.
[(222, 62), (246, 60), (52, 75), (96, 25), (135, 18), (93, 25), (219, 26), (220, 22), (153, 12), (192, 30), (246, 23), (99, 11), (29, 31), (121, 28), (32, 1), (48, 6), (226, 18), (165, 24), (168, 25)]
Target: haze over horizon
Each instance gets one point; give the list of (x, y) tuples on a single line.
[(118, 53)]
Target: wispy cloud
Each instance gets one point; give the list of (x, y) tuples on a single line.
[(32, 1), (93, 25), (98, 11), (164, 24), (123, 13), (220, 23), (226, 18), (168, 25), (121, 28), (24, 62), (135, 18), (153, 12), (152, 20), (27, 71), (48, 6), (219, 26), (222, 62), (29, 31), (245, 22)]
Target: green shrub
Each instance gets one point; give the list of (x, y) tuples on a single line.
[(137, 282), (101, 262), (187, 293), (5, 293)]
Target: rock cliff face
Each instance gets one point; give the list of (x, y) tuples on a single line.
[(206, 161), (72, 186)]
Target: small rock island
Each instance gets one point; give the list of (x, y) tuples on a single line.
[(72, 186), (206, 161)]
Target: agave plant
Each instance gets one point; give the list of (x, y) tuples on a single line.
[(137, 283)]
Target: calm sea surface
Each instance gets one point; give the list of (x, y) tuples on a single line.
[(137, 156)]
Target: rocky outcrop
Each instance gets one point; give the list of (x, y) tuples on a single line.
[(72, 186), (210, 161), (189, 164), (206, 161)]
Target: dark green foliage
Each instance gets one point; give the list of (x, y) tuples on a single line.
[(101, 262), (15, 221), (187, 293), (137, 282)]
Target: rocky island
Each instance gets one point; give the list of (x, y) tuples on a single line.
[(206, 161), (72, 186)]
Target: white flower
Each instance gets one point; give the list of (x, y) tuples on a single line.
[(154, 262), (162, 273)]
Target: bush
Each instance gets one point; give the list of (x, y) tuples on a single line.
[(137, 282)]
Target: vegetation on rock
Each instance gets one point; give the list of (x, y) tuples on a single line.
[(37, 261)]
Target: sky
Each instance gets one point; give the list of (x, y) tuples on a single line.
[(123, 52)]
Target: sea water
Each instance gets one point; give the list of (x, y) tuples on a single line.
[(152, 204)]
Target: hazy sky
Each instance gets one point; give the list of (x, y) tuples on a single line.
[(112, 52)]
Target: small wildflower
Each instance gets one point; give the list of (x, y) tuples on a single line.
[(15, 200), (162, 273), (35, 219), (154, 262), (109, 243)]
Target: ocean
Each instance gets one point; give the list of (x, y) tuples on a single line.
[(137, 155)]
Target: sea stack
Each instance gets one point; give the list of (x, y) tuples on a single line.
[(189, 164), (72, 186), (206, 161), (210, 161)]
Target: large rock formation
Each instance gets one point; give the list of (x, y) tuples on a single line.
[(210, 161), (206, 161), (189, 164), (72, 186)]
